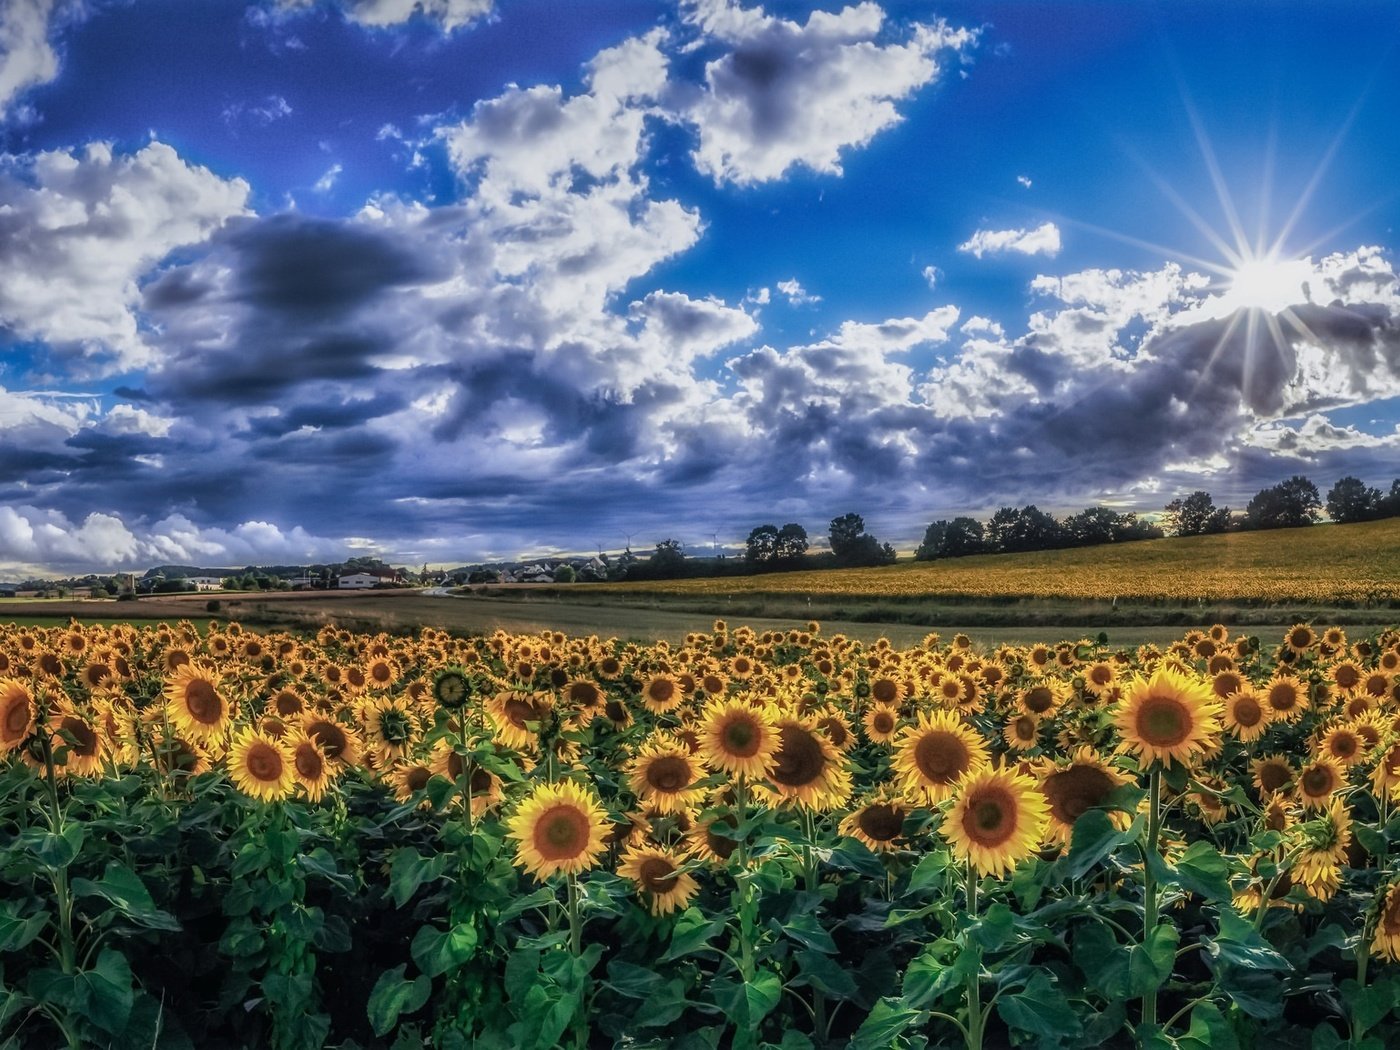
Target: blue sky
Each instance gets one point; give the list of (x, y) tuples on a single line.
[(450, 280)]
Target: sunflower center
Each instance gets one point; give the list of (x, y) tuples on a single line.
[(741, 737), (720, 845), (941, 757), (1163, 721), (657, 874), (1075, 790), (1100, 675), (481, 779), (883, 722), (561, 833), (661, 691), (799, 760), (16, 715), (1039, 699), (202, 702), (1274, 775), (884, 690), (1317, 781), (668, 774), (835, 730), (1248, 712), (1024, 728), (85, 738), (331, 737), (417, 778), (519, 711), (881, 822), (1347, 676), (1283, 697), (1343, 745), (309, 763), (264, 763), (616, 711), (585, 694), (990, 818), (287, 703)]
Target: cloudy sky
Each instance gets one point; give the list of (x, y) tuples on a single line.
[(447, 280)]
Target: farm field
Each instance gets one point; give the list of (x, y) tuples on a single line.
[(747, 838), (1338, 565)]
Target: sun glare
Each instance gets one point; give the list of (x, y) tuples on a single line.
[(1270, 284)]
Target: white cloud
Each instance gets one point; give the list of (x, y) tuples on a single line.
[(796, 294), (786, 93), (260, 114), (26, 56), (77, 231), (931, 274), (1024, 180), (327, 181), (1043, 240), (30, 536), (448, 14)]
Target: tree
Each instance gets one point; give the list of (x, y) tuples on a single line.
[(791, 543), (1350, 500), (667, 560), (1196, 515), (762, 545), (1094, 526), (1390, 503), (564, 573), (934, 538), (1026, 529), (1289, 504), (845, 535)]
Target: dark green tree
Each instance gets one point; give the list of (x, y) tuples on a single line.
[(1351, 500)]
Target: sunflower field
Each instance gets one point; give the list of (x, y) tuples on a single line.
[(781, 840)]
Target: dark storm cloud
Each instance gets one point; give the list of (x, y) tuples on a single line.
[(328, 416)]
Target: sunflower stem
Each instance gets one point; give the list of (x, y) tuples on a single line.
[(1149, 880), (973, 1032), (62, 897), (811, 878), (576, 949)]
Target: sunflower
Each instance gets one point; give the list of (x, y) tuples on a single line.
[(1246, 716), (937, 750), (340, 743), (410, 778), (286, 702), (1042, 699), (1212, 808), (1386, 777), (582, 694), (664, 774), (196, 704), (1074, 787), (18, 714), (312, 770), (878, 824), (1021, 732), (261, 767), (711, 839), (1272, 773), (881, 723), (1324, 842), (1386, 943), (80, 742), (1317, 782), (738, 738), (659, 875), (451, 688), (484, 787), (512, 711), (807, 769), (997, 820), (558, 828), (886, 689), (1100, 676), (1167, 718), (1300, 639), (381, 672), (661, 693), (1343, 744), (390, 729)]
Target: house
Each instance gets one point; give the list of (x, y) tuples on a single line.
[(358, 581), (206, 583)]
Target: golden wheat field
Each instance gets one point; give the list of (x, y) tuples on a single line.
[(1323, 565)]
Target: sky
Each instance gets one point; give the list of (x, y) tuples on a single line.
[(447, 281)]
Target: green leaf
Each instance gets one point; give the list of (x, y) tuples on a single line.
[(632, 981), (852, 855), (933, 973), (393, 995), (1094, 838), (883, 1025), (761, 995), (53, 851), (125, 891), (1203, 871), (1209, 1030), (1040, 1007), (1368, 1004), (103, 994), (807, 931), (825, 974), (408, 871), (1371, 840), (692, 932), (17, 933), (437, 951), (1102, 960), (1151, 963), (995, 929), (928, 873), (1240, 944)]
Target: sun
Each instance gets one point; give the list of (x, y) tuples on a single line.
[(1270, 283)]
